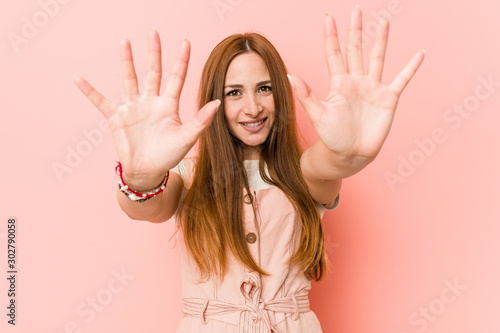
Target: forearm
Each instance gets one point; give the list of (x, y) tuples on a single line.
[(157, 209), (323, 171), (148, 210), (322, 184)]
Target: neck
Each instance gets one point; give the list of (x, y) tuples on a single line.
[(252, 152)]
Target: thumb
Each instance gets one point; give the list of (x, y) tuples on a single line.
[(202, 120), (311, 104)]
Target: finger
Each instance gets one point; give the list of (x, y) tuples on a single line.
[(332, 47), (178, 76), (94, 96), (402, 79), (153, 75), (377, 56), (354, 43), (128, 71), (200, 122), (312, 105)]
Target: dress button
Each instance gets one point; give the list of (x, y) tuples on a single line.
[(248, 199), (251, 237)]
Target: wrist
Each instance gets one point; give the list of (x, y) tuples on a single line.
[(134, 193), (142, 183), (336, 165)]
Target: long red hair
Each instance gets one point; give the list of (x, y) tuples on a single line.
[(211, 213)]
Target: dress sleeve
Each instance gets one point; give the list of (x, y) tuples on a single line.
[(332, 205), (181, 170), (329, 206)]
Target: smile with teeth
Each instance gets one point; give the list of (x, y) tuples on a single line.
[(257, 123)]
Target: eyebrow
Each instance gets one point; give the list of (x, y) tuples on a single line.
[(241, 86)]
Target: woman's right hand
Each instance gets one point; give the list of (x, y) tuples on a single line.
[(148, 133)]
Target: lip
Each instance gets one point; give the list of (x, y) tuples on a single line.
[(255, 128)]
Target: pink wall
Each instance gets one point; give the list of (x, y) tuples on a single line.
[(420, 254)]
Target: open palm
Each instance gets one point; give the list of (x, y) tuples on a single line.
[(355, 118), (148, 133)]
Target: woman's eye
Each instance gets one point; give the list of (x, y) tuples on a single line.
[(233, 93), (265, 89)]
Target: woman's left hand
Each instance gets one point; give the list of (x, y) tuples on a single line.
[(355, 118)]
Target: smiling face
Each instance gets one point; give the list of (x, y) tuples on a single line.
[(248, 101)]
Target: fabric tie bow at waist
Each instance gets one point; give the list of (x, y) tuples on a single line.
[(250, 287)]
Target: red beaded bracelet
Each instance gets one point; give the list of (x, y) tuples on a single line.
[(135, 195)]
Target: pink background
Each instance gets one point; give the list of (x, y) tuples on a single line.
[(420, 255)]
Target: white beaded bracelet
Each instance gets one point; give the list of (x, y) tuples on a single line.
[(136, 195)]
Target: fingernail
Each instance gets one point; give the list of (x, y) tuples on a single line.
[(355, 6), (423, 50), (291, 80), (217, 102)]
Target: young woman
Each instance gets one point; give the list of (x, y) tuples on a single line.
[(249, 205)]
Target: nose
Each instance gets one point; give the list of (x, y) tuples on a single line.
[(252, 106)]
